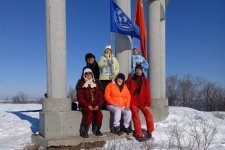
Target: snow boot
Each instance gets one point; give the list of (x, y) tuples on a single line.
[(140, 139), (97, 131), (116, 130), (127, 130), (84, 131)]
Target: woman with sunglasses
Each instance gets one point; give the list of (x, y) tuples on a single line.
[(90, 99)]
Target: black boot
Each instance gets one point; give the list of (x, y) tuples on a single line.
[(127, 130), (116, 130), (140, 139), (97, 131), (83, 132), (86, 127)]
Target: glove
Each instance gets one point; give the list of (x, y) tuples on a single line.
[(113, 76)]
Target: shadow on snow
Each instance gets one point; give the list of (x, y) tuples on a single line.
[(33, 121)]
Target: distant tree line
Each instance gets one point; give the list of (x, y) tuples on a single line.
[(22, 98), (195, 92), (189, 91)]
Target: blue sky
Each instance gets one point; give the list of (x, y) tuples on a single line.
[(195, 41)]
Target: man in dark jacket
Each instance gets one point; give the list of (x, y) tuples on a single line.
[(140, 98), (92, 64)]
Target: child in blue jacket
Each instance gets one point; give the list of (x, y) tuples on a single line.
[(138, 59)]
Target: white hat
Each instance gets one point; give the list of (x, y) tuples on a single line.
[(108, 46), (88, 70), (89, 82)]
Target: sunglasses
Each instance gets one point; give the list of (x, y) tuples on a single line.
[(86, 73)]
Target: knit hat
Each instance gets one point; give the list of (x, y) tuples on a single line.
[(121, 76), (108, 46), (89, 55), (135, 48), (138, 67)]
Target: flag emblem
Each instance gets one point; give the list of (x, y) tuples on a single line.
[(121, 21)]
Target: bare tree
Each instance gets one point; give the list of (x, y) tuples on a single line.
[(214, 97), (195, 92), (21, 97), (171, 89), (72, 94)]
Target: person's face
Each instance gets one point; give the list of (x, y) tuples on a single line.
[(107, 51), (88, 75), (138, 72), (135, 52), (90, 60), (119, 81)]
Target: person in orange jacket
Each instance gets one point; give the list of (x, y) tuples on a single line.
[(117, 98), (140, 99)]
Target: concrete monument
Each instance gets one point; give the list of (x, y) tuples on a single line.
[(59, 125)]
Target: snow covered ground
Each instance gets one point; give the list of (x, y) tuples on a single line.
[(184, 128)]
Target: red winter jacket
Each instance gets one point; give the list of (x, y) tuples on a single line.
[(144, 97), (84, 96)]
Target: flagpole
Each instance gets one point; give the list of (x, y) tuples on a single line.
[(111, 58)]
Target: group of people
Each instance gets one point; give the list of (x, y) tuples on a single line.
[(102, 87)]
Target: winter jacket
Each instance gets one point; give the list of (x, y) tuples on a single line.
[(94, 68), (113, 95), (144, 97), (105, 67), (144, 64), (84, 95)]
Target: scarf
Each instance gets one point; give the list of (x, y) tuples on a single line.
[(89, 82), (139, 82)]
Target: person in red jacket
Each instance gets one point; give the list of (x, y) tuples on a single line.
[(117, 98), (140, 98), (90, 98)]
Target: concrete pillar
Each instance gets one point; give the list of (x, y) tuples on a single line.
[(162, 52), (163, 61), (156, 57), (122, 42), (153, 40), (56, 48), (56, 118)]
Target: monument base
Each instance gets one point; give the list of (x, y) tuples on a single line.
[(59, 128), (74, 141), (159, 109)]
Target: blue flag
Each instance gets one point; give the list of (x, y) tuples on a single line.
[(120, 23)]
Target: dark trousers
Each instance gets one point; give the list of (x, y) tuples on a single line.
[(104, 84)]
